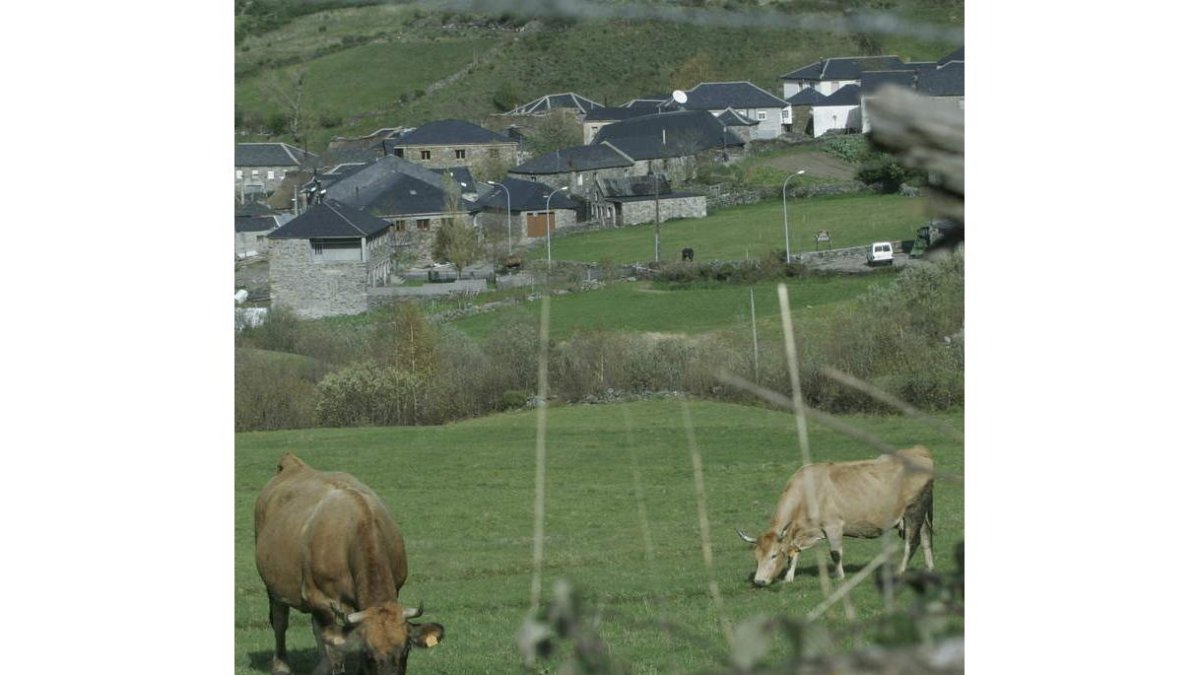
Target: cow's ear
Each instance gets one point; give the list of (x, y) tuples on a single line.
[(784, 531), (426, 635)]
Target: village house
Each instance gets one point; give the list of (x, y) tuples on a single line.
[(322, 262), (517, 211), (259, 168), (829, 75), (576, 167), (447, 143), (840, 112), (669, 143), (643, 199), (597, 118), (252, 222), (416, 201), (773, 114)]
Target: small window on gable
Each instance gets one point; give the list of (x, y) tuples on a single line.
[(426, 154), (762, 114), (460, 154)]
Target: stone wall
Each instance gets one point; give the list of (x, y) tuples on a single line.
[(444, 156), (318, 289), (642, 211)]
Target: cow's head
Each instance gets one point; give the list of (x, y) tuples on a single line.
[(770, 554), (773, 550), (385, 636)]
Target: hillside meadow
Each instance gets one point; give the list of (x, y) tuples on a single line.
[(751, 231), (621, 525)]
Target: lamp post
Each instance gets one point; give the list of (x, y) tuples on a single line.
[(508, 203), (787, 247), (548, 228)]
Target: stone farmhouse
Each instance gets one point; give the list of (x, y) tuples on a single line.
[(323, 261), (669, 143), (643, 199), (518, 210), (597, 118), (252, 222), (447, 143), (259, 168), (576, 167)]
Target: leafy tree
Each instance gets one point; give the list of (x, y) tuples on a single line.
[(455, 240), (556, 130)]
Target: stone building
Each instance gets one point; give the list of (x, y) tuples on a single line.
[(259, 168), (517, 211), (577, 167), (322, 262), (447, 143)]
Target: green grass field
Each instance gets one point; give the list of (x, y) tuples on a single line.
[(645, 306), (463, 496), (751, 231)]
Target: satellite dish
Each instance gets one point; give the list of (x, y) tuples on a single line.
[(679, 96)]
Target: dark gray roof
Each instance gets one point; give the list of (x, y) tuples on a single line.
[(947, 80), (577, 158), (252, 208), (873, 80), (253, 223), (568, 100), (269, 154), (651, 104), (331, 219), (850, 94), (672, 134), (461, 175), (721, 95), (524, 195), (807, 96), (392, 187), (843, 68), (604, 114), (449, 132), (733, 118)]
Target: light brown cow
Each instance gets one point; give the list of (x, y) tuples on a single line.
[(326, 545), (850, 499)]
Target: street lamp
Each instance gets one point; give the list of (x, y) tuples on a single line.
[(548, 227), (508, 203), (787, 247)]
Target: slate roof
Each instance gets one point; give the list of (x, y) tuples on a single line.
[(872, 81), (947, 80), (330, 219), (850, 94), (651, 104), (252, 208), (807, 96), (461, 175), (545, 104), (449, 132), (606, 114), (392, 186), (253, 223), (525, 196), (843, 68), (672, 134), (721, 95), (269, 154), (733, 118), (576, 158)]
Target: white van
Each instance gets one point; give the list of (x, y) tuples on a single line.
[(880, 253)]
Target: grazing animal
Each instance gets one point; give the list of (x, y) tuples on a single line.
[(326, 545), (849, 499), (688, 255)]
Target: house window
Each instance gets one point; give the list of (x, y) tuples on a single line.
[(318, 247), (762, 115), (422, 223), (399, 152), (254, 173), (239, 174), (425, 154), (270, 174), (399, 225), (460, 154)]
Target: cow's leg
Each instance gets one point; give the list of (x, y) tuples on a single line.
[(793, 558), (834, 534), (927, 543), (279, 623)]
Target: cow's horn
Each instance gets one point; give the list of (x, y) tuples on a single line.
[(745, 537), (356, 617), (411, 613)]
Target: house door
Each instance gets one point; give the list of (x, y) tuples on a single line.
[(536, 223)]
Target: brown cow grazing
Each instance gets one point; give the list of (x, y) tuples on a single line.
[(850, 499), (326, 545)]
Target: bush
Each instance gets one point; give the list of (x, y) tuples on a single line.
[(271, 392)]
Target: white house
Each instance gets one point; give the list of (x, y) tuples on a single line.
[(748, 100), (829, 75), (840, 111)]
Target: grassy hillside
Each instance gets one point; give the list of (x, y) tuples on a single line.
[(387, 65), (463, 493), (752, 231)]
